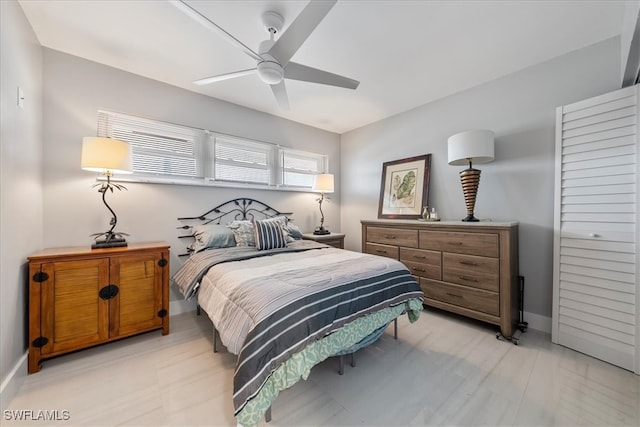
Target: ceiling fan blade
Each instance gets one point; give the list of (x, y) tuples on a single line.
[(289, 42), (226, 76), (209, 24), (297, 71), (280, 92)]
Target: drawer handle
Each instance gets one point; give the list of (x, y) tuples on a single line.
[(454, 295), (420, 269), (470, 263), (468, 279), (389, 236), (456, 243), (381, 251), (420, 257)]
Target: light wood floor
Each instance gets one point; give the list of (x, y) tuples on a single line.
[(443, 370)]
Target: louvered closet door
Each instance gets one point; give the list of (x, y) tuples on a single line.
[(596, 297)]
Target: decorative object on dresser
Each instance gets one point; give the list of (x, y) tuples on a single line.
[(468, 147), (324, 184), (107, 156), (469, 268), (332, 239), (81, 297), (405, 187)]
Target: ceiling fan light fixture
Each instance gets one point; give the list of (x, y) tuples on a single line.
[(270, 72)]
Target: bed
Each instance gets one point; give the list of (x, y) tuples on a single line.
[(283, 304)]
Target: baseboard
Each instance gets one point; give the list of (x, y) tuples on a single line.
[(538, 322), (11, 384)]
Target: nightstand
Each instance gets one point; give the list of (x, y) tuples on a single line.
[(332, 239), (80, 297)]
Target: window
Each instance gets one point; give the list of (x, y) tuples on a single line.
[(237, 160), (299, 167), (169, 153)]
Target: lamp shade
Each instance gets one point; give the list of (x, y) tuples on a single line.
[(323, 183), (106, 155), (473, 146)]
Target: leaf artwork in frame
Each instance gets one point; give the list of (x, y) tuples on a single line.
[(405, 187)]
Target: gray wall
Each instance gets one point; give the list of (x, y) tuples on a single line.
[(518, 185), (74, 89), (20, 180)]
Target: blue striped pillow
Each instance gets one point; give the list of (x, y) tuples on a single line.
[(268, 235)]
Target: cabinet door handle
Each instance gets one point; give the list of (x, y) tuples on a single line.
[(468, 279)]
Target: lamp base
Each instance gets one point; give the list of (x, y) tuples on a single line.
[(113, 243), (470, 218), (321, 231)]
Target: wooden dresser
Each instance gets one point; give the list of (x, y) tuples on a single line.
[(466, 268), (79, 297)]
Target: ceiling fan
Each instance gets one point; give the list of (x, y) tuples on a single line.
[(273, 63)]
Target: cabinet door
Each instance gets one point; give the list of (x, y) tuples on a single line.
[(596, 309), (72, 313), (138, 304)]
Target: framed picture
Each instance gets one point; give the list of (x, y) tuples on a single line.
[(405, 187)]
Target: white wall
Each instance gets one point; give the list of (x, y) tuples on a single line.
[(518, 185), (20, 182), (74, 89)]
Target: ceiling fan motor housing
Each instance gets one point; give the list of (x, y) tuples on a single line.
[(269, 69)]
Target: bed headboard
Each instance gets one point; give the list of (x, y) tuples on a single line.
[(240, 209)]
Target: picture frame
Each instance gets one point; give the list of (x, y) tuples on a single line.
[(404, 190)]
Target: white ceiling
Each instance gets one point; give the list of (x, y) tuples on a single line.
[(404, 53)]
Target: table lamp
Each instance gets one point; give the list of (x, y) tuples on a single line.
[(107, 156), (324, 184), (475, 146)]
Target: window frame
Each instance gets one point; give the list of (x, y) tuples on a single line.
[(204, 153)]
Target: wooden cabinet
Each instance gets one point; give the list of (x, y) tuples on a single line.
[(79, 297), (333, 239), (467, 268)]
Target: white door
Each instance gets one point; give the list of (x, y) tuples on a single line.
[(596, 298)]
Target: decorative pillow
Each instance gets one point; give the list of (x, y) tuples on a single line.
[(268, 234), (293, 232), (284, 222), (211, 236), (243, 233)]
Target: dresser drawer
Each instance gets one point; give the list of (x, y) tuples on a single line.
[(393, 236), (462, 296), (424, 270), (382, 250), (470, 270), (422, 263), (462, 243)]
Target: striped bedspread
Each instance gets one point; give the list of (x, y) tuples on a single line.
[(270, 306)]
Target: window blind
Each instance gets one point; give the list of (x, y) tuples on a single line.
[(166, 152)]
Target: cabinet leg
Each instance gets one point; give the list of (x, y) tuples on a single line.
[(34, 364)]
